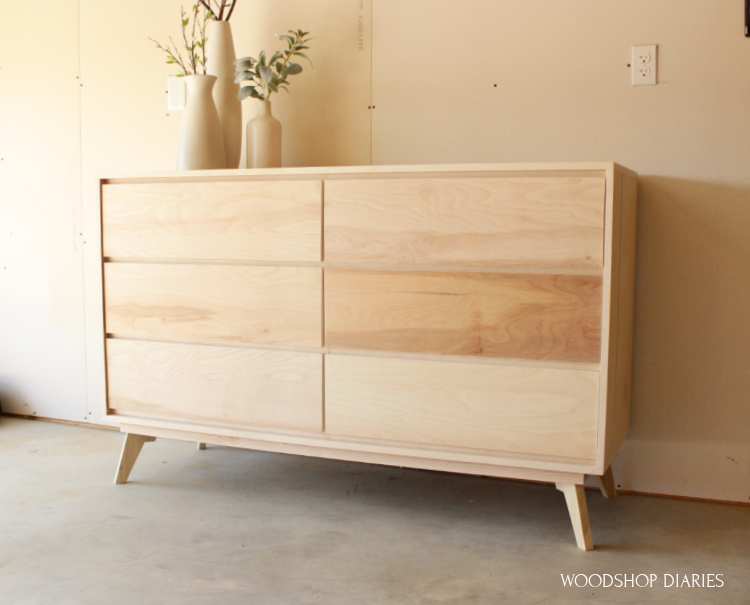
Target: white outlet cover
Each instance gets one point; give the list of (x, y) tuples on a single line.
[(643, 65), (176, 93)]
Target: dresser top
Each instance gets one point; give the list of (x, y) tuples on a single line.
[(328, 172)]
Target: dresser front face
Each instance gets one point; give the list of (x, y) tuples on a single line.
[(457, 312), (465, 312), (213, 302)]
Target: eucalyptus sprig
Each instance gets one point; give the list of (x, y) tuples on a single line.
[(194, 44), (267, 76), (217, 14)]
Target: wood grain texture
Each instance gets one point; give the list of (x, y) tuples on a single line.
[(483, 406), (214, 303), (575, 498), (620, 356), (131, 448), (230, 220), (541, 221), (225, 385), (540, 317)]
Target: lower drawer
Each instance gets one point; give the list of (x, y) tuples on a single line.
[(225, 385), (539, 411)]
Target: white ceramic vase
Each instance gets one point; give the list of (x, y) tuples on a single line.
[(263, 139), (201, 141), (220, 63)]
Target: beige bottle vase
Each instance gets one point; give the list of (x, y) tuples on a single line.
[(220, 63), (201, 141), (263, 139)]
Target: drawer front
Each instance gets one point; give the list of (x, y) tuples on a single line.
[(540, 317), (210, 303), (554, 222), (262, 221), (225, 385), (546, 412)]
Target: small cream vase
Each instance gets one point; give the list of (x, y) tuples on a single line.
[(201, 142), (263, 139), (220, 63)]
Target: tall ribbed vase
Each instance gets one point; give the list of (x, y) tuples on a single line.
[(220, 63), (263, 139), (201, 142)]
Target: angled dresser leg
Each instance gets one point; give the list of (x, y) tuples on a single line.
[(607, 484), (201, 446), (130, 450), (575, 497)]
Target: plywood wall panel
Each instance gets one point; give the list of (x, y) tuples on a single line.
[(43, 328)]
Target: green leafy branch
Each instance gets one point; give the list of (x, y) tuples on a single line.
[(266, 76), (194, 43)]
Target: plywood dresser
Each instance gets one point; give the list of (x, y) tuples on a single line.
[(472, 319)]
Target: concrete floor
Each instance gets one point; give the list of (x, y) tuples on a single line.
[(225, 526)]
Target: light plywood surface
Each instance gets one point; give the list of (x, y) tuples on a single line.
[(131, 448), (214, 303), (575, 498), (539, 317), (213, 220), (549, 222), (499, 408), (619, 389), (214, 384)]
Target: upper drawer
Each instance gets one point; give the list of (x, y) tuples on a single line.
[(231, 220), (549, 222)]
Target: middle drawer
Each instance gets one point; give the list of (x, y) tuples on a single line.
[(539, 317), (214, 303)]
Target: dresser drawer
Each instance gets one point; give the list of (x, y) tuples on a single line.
[(213, 220), (224, 385), (540, 411), (539, 317), (214, 303), (553, 222)]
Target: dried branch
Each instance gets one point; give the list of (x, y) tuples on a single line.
[(203, 2), (218, 14), (231, 10)]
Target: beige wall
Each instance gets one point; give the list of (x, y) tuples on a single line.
[(42, 344), (563, 93)]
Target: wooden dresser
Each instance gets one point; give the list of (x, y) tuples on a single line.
[(473, 319)]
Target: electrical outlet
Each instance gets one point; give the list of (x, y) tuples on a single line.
[(643, 65)]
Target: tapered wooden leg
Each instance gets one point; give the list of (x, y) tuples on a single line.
[(201, 446), (575, 497), (130, 450), (607, 484)]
